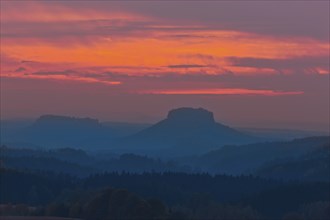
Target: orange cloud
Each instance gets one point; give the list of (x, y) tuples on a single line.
[(83, 38), (146, 51), (231, 91), (56, 76)]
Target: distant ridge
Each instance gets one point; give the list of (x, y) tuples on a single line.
[(63, 131), (58, 119), (187, 129), (49, 117)]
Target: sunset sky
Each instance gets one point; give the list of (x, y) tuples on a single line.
[(253, 63)]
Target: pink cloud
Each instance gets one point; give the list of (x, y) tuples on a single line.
[(226, 91)]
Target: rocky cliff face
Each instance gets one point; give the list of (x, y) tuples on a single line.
[(191, 115)]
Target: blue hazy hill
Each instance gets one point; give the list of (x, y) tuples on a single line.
[(60, 131), (184, 131)]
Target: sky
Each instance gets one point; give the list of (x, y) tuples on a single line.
[(253, 63)]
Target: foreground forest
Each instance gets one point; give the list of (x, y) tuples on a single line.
[(286, 180), (160, 196)]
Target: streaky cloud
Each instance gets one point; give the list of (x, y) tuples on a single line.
[(226, 91)]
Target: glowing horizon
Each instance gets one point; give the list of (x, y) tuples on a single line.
[(129, 50)]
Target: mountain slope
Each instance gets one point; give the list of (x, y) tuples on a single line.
[(247, 158), (312, 166), (185, 130)]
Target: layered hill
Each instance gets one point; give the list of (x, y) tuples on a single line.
[(249, 158)]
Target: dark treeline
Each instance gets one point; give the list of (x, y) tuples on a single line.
[(302, 159), (168, 186), (78, 163), (161, 196), (177, 187)]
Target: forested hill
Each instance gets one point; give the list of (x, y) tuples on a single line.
[(178, 196)]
